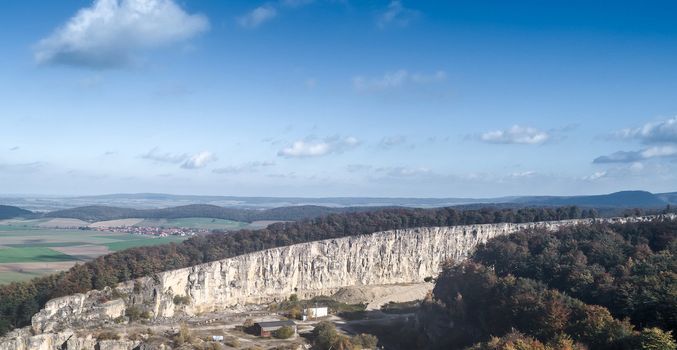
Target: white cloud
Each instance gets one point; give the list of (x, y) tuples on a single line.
[(664, 151), (258, 16), (596, 176), (404, 171), (396, 15), (243, 168), (157, 156), (655, 132), (516, 135), (315, 148), (199, 160), (110, 32), (396, 79), (521, 174)]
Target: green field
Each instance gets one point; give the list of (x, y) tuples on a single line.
[(198, 223), (31, 254), (27, 251)]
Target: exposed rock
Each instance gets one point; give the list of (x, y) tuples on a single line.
[(308, 269)]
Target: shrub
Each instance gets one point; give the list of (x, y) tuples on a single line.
[(232, 342), (183, 336), (365, 341), (133, 312), (181, 300), (108, 335), (285, 332)]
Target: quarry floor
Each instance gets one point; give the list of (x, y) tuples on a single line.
[(229, 323)]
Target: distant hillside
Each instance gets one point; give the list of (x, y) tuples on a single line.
[(293, 213), (623, 199), (670, 198), (9, 212)]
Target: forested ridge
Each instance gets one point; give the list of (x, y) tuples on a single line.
[(9, 212), (20, 301), (291, 213), (598, 286)]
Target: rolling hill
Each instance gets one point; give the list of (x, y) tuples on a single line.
[(623, 199), (10, 212)]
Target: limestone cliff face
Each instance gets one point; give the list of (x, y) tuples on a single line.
[(308, 269)]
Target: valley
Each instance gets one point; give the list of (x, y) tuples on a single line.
[(34, 247)]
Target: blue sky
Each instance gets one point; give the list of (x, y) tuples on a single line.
[(338, 98)]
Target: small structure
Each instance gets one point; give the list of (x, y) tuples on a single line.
[(266, 329), (310, 313)]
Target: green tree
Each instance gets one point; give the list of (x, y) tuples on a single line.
[(655, 339), (285, 332)]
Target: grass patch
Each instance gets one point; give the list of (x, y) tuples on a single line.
[(7, 277), (32, 254), (45, 245)]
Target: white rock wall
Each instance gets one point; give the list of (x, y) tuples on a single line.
[(308, 269)]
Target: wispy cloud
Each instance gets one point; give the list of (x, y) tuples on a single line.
[(269, 11), (654, 132), (596, 175), (164, 157), (258, 16), (396, 15), (516, 135), (392, 141), (110, 32), (22, 167), (659, 138), (199, 160), (249, 167), (404, 171), (665, 151), (396, 79), (311, 147), (15, 148)]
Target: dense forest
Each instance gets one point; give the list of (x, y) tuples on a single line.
[(20, 301), (599, 286), (291, 213)]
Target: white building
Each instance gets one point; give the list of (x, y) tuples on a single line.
[(315, 312)]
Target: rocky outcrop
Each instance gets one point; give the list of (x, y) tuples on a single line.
[(308, 269)]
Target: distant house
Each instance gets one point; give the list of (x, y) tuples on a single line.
[(310, 313), (266, 329)]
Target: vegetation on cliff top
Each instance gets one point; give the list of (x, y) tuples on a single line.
[(598, 286)]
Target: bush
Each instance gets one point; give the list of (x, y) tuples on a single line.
[(108, 335), (133, 312), (181, 300), (326, 337), (232, 342), (183, 336), (285, 332), (365, 341)]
